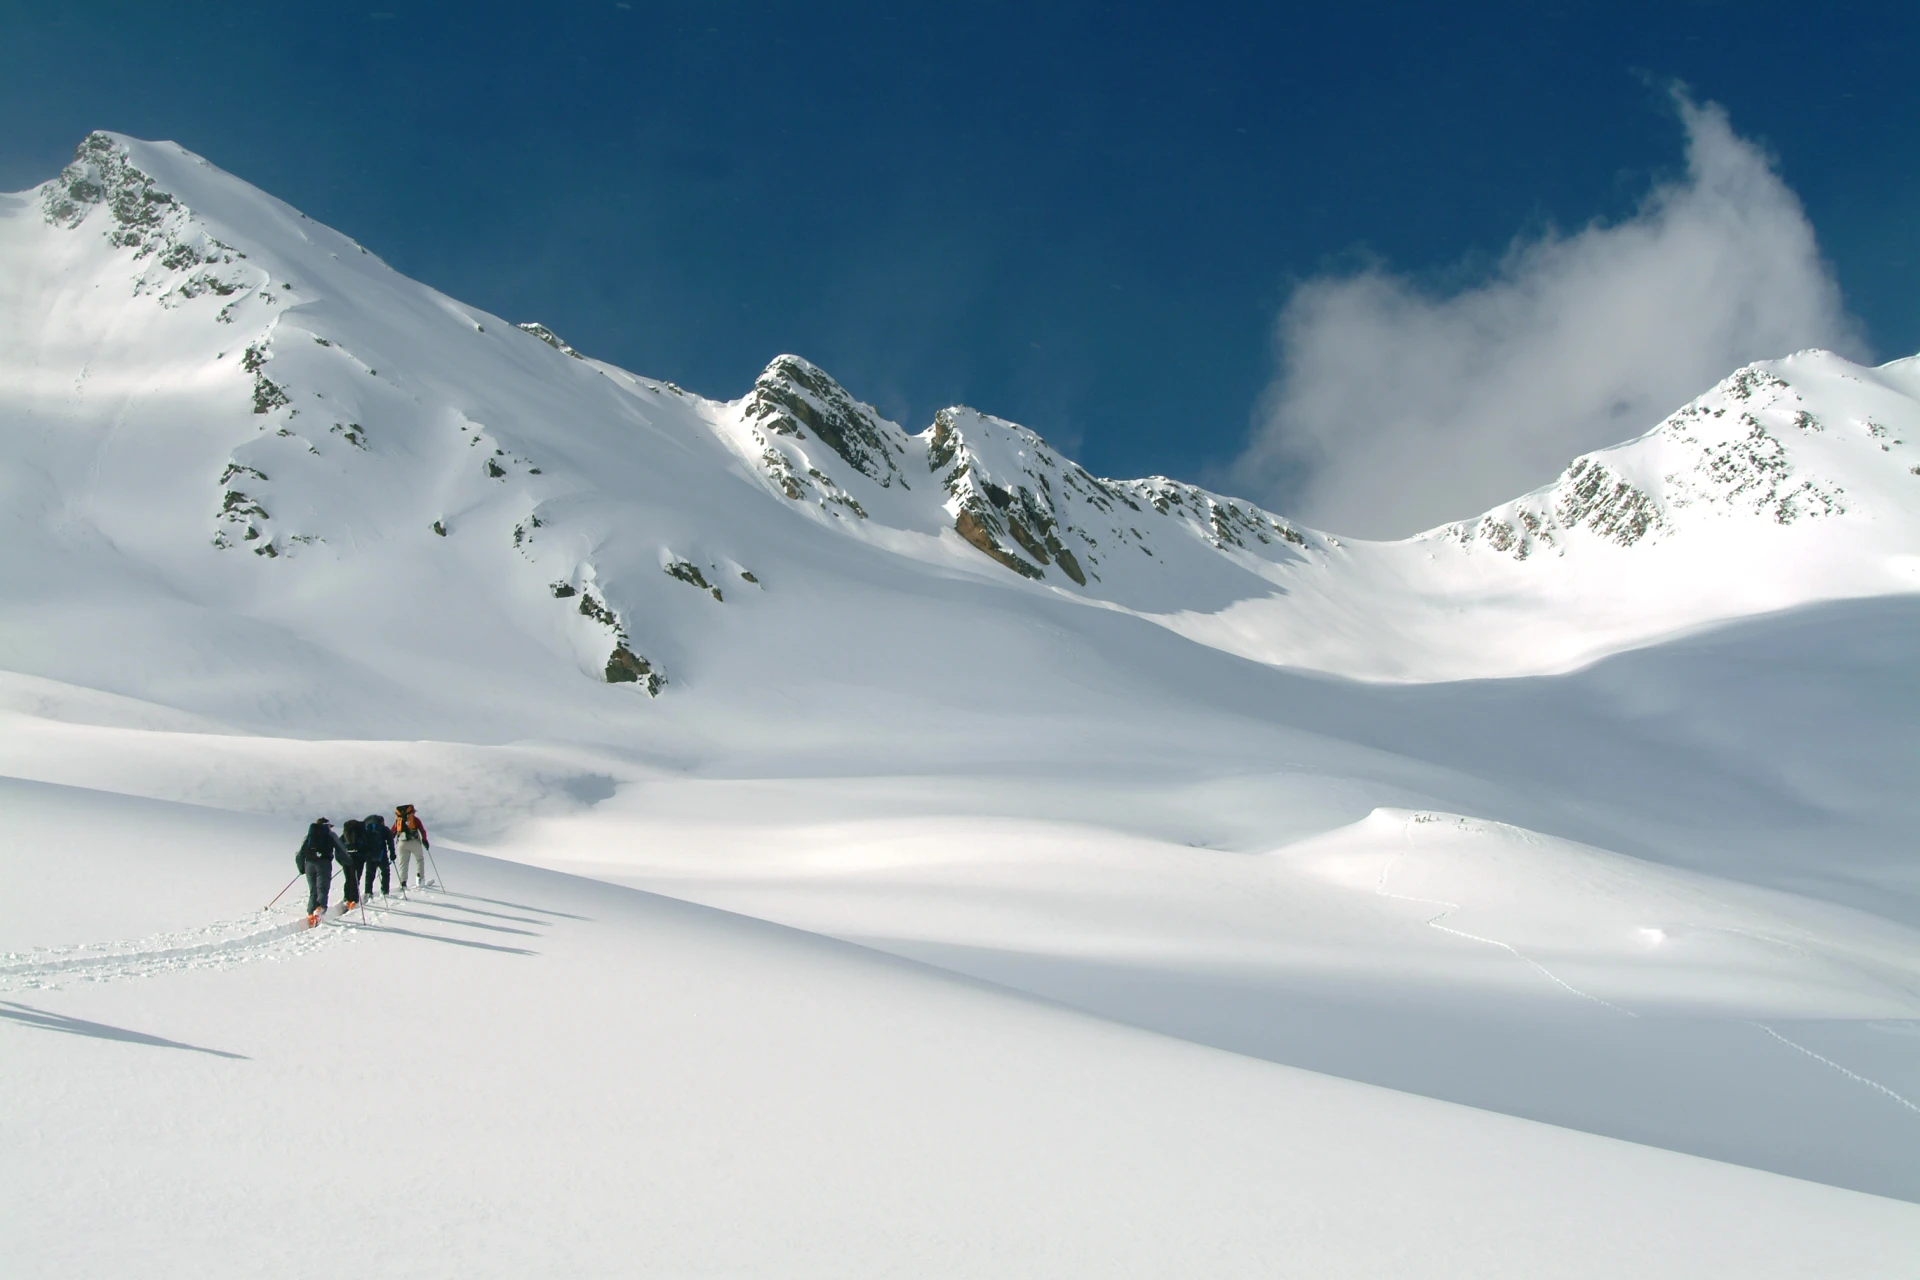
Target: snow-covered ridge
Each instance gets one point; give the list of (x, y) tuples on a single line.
[(1023, 504), (1774, 440), (256, 412)]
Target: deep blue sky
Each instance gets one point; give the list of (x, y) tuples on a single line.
[(1083, 217)]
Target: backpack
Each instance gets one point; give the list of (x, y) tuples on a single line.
[(315, 846), (352, 834)]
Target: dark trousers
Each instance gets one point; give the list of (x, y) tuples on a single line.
[(349, 878), (381, 865), (319, 876)]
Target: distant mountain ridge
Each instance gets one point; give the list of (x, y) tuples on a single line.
[(1752, 445), (206, 376)]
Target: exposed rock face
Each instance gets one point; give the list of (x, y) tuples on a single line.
[(102, 175), (792, 397), (792, 406), (1725, 451), (688, 572), (624, 666), (146, 219), (969, 526), (268, 395), (1034, 511)]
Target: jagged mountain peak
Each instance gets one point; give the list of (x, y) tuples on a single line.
[(1770, 441), (793, 396), (103, 175), (106, 184), (1017, 499)]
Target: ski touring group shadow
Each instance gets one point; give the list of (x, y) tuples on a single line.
[(46, 1020)]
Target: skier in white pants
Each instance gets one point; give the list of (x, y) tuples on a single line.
[(411, 841)]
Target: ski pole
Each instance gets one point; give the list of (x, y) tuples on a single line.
[(436, 871), (282, 893)]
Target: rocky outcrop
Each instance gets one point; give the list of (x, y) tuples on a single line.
[(146, 219), (1726, 451), (1017, 500), (792, 397), (102, 176), (688, 572), (268, 395), (624, 666), (549, 337)]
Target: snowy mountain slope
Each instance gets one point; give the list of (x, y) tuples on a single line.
[(200, 369), (537, 1074), (1109, 854), (288, 531), (1793, 481)]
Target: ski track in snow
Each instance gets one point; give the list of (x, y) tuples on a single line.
[(223, 944), (1380, 888), (1849, 1074)]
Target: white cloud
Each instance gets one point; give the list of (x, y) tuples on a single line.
[(1397, 409)]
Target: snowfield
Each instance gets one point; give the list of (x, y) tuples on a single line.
[(879, 853), (535, 1073)]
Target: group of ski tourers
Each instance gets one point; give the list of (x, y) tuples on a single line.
[(362, 847)]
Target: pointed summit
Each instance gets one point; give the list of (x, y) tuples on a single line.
[(792, 397), (140, 215)]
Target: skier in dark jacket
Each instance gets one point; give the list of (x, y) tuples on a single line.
[(376, 843), (315, 861), (352, 837)]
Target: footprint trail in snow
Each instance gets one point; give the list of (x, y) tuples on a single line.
[(220, 945)]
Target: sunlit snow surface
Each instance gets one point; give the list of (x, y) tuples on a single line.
[(1656, 881)]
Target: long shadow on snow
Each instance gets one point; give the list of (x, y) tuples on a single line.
[(461, 924), (517, 906), (455, 942), (491, 915), (28, 1016)]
